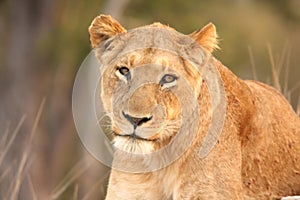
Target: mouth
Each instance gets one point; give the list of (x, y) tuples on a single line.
[(134, 136)]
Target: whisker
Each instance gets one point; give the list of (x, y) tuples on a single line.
[(105, 115), (102, 122), (106, 125), (172, 126)]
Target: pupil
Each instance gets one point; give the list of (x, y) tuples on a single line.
[(169, 78), (124, 70)]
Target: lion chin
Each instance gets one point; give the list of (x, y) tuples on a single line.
[(161, 108), (133, 144)]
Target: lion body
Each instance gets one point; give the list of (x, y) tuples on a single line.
[(257, 155)]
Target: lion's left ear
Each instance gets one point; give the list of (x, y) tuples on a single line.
[(206, 37), (102, 28)]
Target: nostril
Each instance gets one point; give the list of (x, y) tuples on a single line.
[(140, 121), (136, 121)]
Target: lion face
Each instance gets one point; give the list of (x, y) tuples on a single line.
[(143, 89), (140, 94)]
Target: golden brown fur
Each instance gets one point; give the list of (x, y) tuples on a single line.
[(257, 155)]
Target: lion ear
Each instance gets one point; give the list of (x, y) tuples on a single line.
[(206, 37), (102, 28)]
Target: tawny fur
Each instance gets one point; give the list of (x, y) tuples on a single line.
[(257, 155)]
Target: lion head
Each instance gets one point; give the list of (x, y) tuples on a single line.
[(145, 77)]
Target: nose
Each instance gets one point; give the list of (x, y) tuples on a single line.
[(136, 121)]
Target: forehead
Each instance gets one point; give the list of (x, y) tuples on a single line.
[(155, 37), (150, 45)]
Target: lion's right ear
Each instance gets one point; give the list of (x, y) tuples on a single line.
[(102, 28)]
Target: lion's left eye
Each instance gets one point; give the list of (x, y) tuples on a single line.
[(168, 80), (123, 73)]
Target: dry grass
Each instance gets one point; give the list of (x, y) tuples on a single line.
[(280, 71), (17, 175), (67, 181), (280, 68)]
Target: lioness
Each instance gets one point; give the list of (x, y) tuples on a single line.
[(255, 156)]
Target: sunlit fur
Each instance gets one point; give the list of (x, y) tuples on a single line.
[(256, 155)]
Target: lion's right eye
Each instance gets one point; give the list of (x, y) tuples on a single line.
[(123, 73), (123, 70)]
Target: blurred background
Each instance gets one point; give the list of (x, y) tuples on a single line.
[(43, 42)]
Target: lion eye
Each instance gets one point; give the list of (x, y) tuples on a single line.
[(123, 73), (123, 70), (168, 80)]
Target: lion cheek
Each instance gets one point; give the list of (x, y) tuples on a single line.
[(172, 106), (172, 113)]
